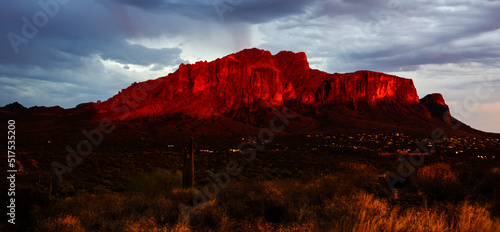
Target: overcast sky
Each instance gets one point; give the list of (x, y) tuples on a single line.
[(66, 52)]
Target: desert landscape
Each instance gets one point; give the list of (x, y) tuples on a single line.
[(250, 115), (298, 150)]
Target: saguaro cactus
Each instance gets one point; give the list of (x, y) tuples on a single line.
[(188, 165), (184, 166)]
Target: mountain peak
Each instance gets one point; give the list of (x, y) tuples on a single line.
[(293, 61), (14, 107), (435, 98), (437, 106), (254, 79)]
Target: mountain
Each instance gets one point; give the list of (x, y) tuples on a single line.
[(17, 108), (437, 106), (236, 94), (254, 79), (13, 108)]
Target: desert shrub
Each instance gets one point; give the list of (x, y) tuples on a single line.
[(369, 213), (155, 181), (328, 203), (360, 176), (483, 185), (115, 212), (65, 189), (66, 223), (245, 200), (474, 217), (273, 201), (164, 210), (34, 198), (211, 217), (482, 182), (85, 212), (438, 182)]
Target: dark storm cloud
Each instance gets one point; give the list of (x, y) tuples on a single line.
[(338, 35), (72, 34), (261, 11), (422, 33), (248, 11), (56, 60), (361, 9)]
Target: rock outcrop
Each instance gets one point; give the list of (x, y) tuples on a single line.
[(14, 107), (437, 106), (237, 94), (254, 79)]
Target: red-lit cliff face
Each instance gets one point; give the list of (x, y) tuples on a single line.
[(437, 106), (435, 98), (255, 79), (234, 95)]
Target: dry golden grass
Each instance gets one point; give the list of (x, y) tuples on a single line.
[(439, 172), (328, 203), (438, 182), (62, 223), (368, 213)]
